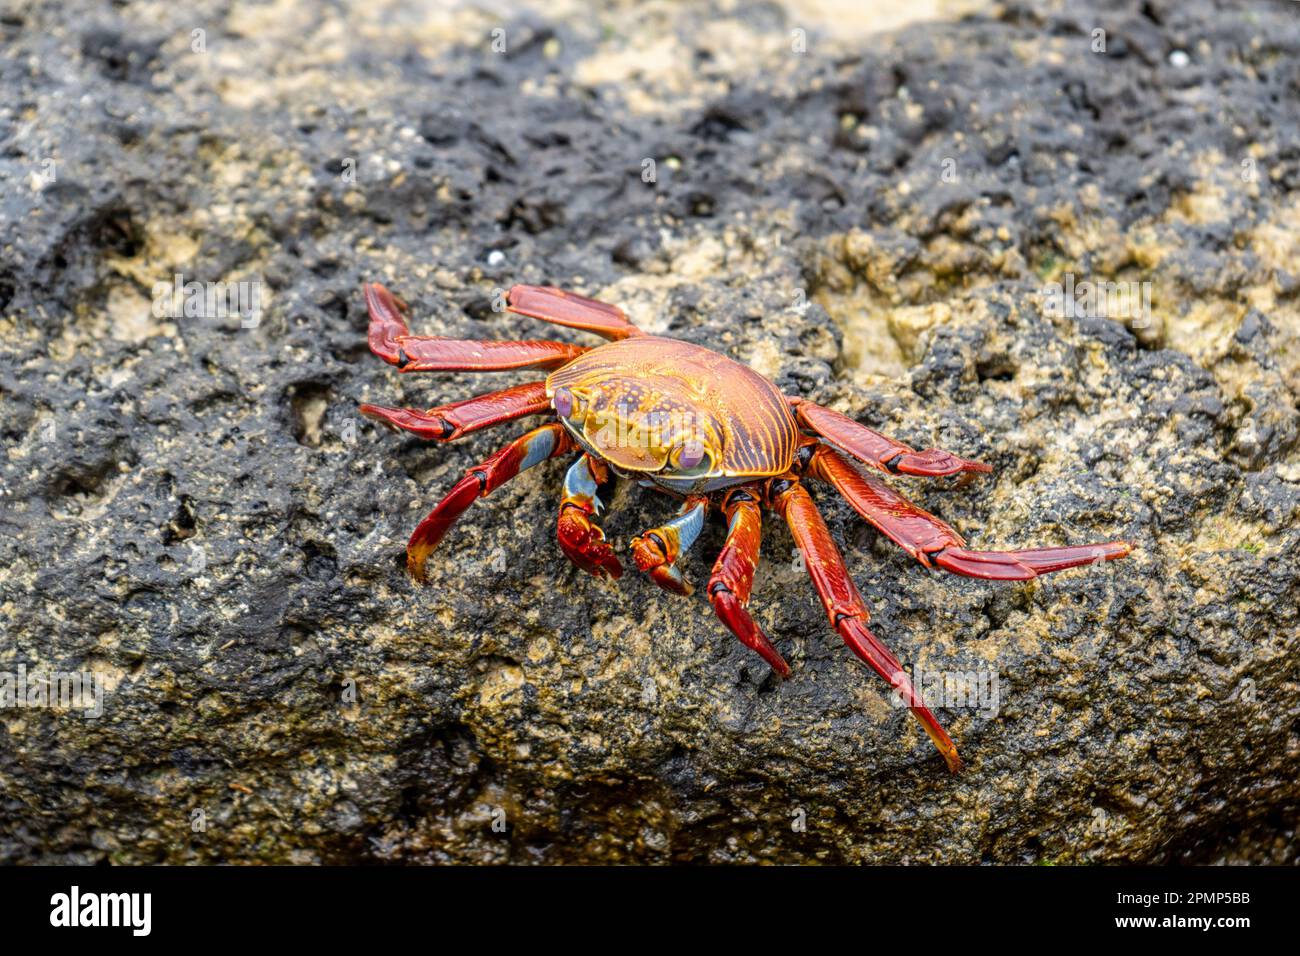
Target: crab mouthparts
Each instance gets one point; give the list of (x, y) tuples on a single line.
[(624, 444)]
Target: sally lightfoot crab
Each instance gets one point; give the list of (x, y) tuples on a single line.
[(707, 430)]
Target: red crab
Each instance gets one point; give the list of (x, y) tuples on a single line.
[(707, 430)]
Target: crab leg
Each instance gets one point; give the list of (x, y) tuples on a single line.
[(657, 550), (391, 341), (564, 308), (479, 481), (449, 422), (387, 321), (733, 577), (927, 538), (581, 539), (877, 450), (844, 606)]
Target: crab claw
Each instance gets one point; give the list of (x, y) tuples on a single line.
[(651, 556), (584, 543), (657, 550), (581, 538)]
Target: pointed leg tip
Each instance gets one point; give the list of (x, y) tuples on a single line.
[(938, 736), (379, 414), (387, 318), (1109, 551), (377, 291), (969, 469), (415, 570), (937, 463), (417, 553)]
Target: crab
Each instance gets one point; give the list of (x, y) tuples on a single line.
[(710, 432)]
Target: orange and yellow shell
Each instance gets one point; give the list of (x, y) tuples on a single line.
[(638, 401)]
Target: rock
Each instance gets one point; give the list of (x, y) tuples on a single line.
[(194, 512)]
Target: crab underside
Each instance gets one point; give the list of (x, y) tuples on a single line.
[(713, 433)]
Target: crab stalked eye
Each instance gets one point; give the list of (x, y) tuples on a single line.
[(691, 455), (563, 400)]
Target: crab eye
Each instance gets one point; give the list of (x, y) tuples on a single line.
[(563, 400), (692, 454)]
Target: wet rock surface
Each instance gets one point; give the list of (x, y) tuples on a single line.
[(193, 510)]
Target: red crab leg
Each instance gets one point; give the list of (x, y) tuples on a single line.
[(480, 480), (474, 355), (844, 606), (387, 321), (392, 342), (733, 578), (581, 539), (657, 550), (927, 538), (879, 451), (564, 308), (449, 422)]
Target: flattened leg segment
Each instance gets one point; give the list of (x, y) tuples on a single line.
[(1022, 565), (392, 341), (656, 552), (479, 481), (915, 531), (846, 610), (449, 422), (576, 311), (581, 538), (429, 354), (388, 316), (933, 542), (733, 578), (880, 451)]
